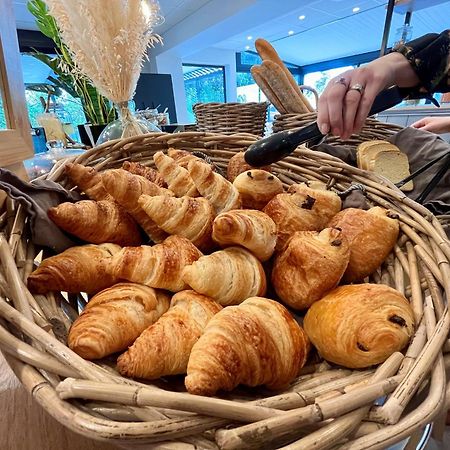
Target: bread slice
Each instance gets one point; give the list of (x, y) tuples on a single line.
[(366, 153), (393, 166)]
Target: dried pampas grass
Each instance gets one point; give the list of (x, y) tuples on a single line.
[(108, 40)]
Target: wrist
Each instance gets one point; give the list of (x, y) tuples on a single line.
[(402, 72)]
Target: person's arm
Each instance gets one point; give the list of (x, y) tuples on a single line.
[(433, 124), (422, 63)]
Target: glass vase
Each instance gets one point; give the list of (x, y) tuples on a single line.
[(127, 125)]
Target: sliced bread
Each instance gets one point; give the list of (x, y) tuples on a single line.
[(393, 166), (363, 148)]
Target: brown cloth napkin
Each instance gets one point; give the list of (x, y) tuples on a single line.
[(421, 148), (36, 198)]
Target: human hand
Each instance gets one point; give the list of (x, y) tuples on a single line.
[(347, 99), (434, 124)]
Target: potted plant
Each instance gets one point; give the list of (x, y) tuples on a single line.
[(98, 110)]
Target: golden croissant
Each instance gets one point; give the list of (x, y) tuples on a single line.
[(360, 325), (126, 189), (177, 178), (248, 228), (186, 216), (147, 172), (255, 343), (219, 191), (160, 266), (183, 157), (304, 210), (229, 276), (96, 222), (114, 318), (77, 269), (88, 180), (371, 235), (164, 347), (257, 187), (310, 265), (238, 165)]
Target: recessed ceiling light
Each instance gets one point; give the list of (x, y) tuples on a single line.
[(290, 33), (302, 17), (356, 9), (249, 38), (247, 47)]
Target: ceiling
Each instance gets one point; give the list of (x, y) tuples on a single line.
[(329, 30)]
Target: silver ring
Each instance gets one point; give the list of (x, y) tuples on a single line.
[(341, 80), (357, 87)]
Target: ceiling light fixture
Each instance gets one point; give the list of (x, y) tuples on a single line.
[(249, 38), (302, 17), (356, 9), (247, 47), (290, 33)]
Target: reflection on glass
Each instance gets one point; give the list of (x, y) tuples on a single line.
[(203, 84), (2, 115)]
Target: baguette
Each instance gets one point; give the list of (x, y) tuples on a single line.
[(268, 53), (264, 86), (278, 82)]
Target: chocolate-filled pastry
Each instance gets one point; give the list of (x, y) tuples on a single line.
[(360, 325), (164, 347), (248, 228), (310, 265), (114, 318), (228, 276), (371, 235), (257, 187), (304, 209), (237, 165), (255, 343)]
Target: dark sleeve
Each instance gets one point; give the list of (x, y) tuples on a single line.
[(429, 57)]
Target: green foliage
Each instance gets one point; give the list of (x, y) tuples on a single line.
[(98, 109)]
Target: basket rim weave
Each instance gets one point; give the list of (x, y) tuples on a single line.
[(129, 412)]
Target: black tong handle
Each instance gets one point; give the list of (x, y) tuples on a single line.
[(279, 145)]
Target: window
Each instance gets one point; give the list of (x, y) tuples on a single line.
[(203, 84)]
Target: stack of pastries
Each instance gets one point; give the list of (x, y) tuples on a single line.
[(178, 261)]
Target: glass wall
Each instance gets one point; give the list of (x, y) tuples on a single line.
[(203, 84)]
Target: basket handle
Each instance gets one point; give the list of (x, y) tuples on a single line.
[(311, 89)]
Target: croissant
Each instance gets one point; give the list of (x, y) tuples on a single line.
[(360, 325), (77, 269), (88, 180), (371, 235), (183, 157), (114, 318), (160, 266), (96, 222), (176, 177), (248, 228), (147, 172), (255, 343), (185, 216), (126, 189), (237, 165), (310, 265), (219, 191), (305, 210), (229, 276), (257, 188), (164, 347)]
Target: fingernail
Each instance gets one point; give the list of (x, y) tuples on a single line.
[(325, 128)]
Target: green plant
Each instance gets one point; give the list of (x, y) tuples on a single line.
[(97, 108)]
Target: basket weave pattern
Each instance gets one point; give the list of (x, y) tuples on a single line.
[(372, 129), (95, 401), (230, 118)]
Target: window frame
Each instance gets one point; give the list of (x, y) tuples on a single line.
[(217, 66)]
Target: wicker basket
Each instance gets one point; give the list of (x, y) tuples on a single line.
[(325, 404), (230, 118), (372, 129)]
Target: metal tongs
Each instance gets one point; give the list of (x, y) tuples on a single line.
[(279, 145)]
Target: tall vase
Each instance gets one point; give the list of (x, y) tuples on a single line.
[(127, 125)]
